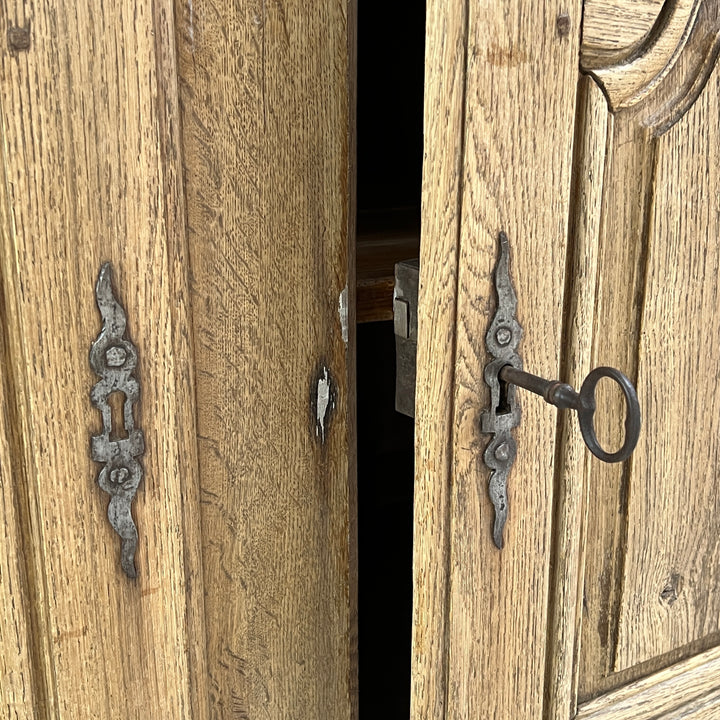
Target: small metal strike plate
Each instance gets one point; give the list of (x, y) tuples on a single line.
[(113, 357), (405, 307)]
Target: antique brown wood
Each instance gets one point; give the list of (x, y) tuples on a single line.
[(632, 549), (206, 152), (267, 98)]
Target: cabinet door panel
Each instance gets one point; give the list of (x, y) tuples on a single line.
[(651, 549), (672, 565), (505, 165), (267, 99), (622, 582), (204, 151), (92, 167)]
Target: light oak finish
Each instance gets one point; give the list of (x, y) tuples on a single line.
[(677, 692), (669, 593), (445, 61), (621, 281), (624, 586), (92, 168), (704, 708), (479, 606), (614, 29), (648, 596), (635, 77), (268, 110), (573, 459)]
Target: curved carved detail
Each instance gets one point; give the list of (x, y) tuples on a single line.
[(682, 85), (629, 81), (613, 31), (667, 72)]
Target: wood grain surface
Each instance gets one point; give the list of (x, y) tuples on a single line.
[(684, 690), (445, 68), (516, 178), (267, 100), (593, 125), (626, 197), (482, 605), (22, 692), (655, 295), (634, 75), (93, 173), (614, 29), (673, 550), (704, 708)]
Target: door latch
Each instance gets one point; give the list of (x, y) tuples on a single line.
[(405, 304), (504, 373), (114, 358)]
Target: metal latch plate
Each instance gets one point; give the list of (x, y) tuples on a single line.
[(405, 306)]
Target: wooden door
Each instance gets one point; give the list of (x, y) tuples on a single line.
[(590, 135), (204, 150)]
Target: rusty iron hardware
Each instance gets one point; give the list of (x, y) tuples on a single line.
[(564, 397), (405, 305), (114, 358), (504, 373)]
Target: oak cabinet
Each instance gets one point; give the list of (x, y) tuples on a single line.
[(207, 151)]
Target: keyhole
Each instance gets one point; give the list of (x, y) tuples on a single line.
[(116, 401), (503, 406)]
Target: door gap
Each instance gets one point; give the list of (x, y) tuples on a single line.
[(390, 84)]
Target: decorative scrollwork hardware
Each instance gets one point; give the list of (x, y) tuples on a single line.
[(114, 358), (502, 339), (504, 373)]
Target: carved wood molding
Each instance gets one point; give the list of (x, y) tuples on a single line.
[(666, 72), (679, 691)]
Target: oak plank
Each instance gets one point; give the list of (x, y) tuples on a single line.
[(444, 113), (516, 178), (631, 239), (593, 126), (704, 708), (267, 109), (621, 280), (93, 169), (673, 551), (660, 694), (477, 607)]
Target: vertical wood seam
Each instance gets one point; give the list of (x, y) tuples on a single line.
[(176, 218), (450, 506), (571, 251), (36, 605), (565, 589), (641, 297), (351, 362), (609, 131), (432, 535)]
